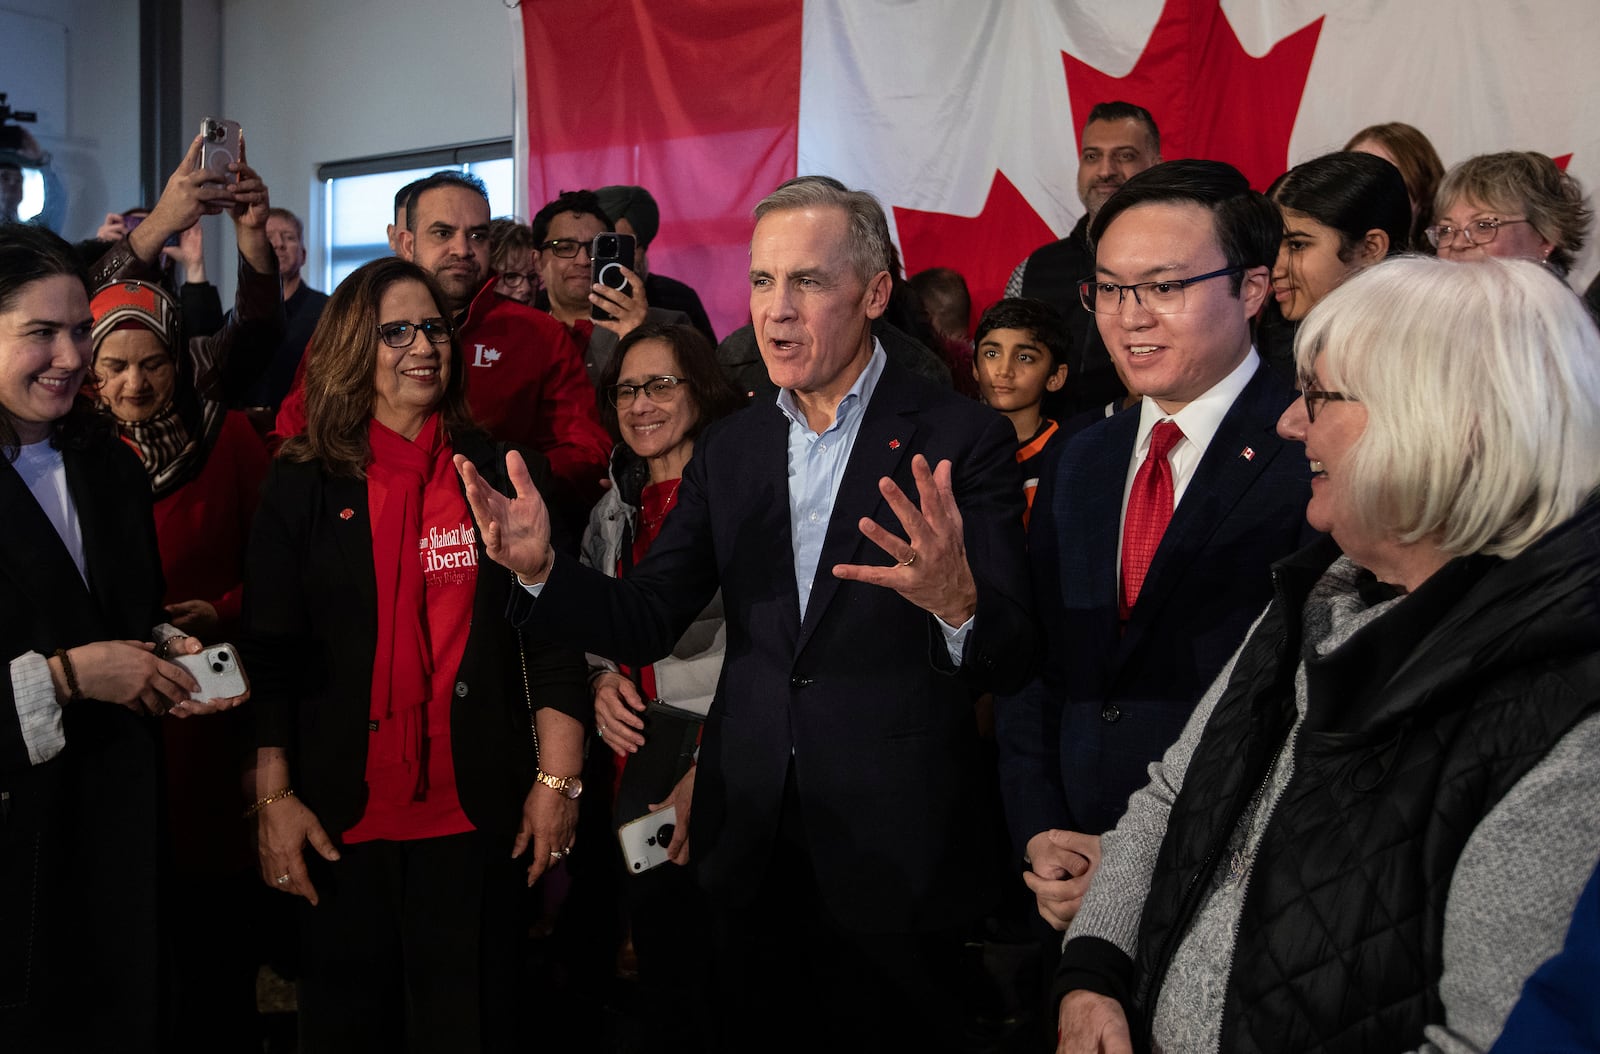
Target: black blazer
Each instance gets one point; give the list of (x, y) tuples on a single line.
[(1075, 744), (859, 696), (310, 605), (81, 835)]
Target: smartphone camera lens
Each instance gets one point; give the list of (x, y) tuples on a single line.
[(217, 667), (222, 656)]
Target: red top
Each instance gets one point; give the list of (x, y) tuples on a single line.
[(446, 551), (525, 383), (655, 501), (201, 527)]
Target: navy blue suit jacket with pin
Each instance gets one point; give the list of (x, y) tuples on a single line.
[(860, 694), (1109, 700)]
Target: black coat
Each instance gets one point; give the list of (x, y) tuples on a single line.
[(81, 835), (310, 607), (859, 695)]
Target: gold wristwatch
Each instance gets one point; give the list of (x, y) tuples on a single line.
[(566, 786)]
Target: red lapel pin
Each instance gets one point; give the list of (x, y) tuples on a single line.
[(345, 514), (894, 444), (1248, 453)]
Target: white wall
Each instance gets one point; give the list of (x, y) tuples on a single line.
[(96, 149), (314, 81)]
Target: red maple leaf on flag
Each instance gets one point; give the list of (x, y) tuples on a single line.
[(984, 248), (1208, 96), (1210, 99)]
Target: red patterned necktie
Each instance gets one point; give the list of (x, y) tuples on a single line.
[(1149, 512)]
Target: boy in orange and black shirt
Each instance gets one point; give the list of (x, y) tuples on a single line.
[(1020, 355)]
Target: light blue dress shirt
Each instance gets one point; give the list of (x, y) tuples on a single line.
[(817, 462)]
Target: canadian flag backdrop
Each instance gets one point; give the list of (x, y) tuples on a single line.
[(962, 116)]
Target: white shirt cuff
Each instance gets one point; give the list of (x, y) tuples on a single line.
[(533, 590), (955, 638), (37, 710)]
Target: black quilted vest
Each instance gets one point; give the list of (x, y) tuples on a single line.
[(1416, 727)]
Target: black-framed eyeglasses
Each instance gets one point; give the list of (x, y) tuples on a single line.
[(1158, 298), (1315, 397), (660, 390), (565, 248), (404, 334), (528, 278), (1478, 232)]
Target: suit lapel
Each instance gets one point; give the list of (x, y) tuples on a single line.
[(1244, 444), (1099, 508), (352, 534), (883, 446), (33, 554)]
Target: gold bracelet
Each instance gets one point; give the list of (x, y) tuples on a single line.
[(287, 792), (74, 693)]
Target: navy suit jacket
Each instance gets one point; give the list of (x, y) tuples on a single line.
[(859, 695), (1109, 700)]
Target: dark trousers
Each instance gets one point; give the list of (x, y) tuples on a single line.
[(790, 977), (414, 946)]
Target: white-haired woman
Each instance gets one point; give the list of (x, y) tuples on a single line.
[(1378, 820)]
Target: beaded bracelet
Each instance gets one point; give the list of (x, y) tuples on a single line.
[(74, 693), (287, 792)]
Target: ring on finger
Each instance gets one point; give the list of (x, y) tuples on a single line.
[(911, 557), (283, 880)]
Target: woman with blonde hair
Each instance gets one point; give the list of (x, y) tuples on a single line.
[(1381, 814), (1515, 204)]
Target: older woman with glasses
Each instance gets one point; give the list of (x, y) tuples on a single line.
[(1512, 205), (661, 390), (1379, 818), (405, 731)]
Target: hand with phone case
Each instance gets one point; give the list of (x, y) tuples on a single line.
[(616, 299)]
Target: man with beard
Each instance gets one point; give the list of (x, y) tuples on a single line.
[(563, 231), (1119, 141), (525, 381)]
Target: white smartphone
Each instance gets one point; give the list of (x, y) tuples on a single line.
[(218, 671), (644, 841)]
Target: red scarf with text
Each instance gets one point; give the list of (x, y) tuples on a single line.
[(402, 666)]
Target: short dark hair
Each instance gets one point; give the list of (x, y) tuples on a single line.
[(30, 254), (403, 196), (944, 294), (448, 177), (1248, 227), (280, 213), (1352, 193), (583, 202), (714, 395), (1030, 316), (1126, 111)]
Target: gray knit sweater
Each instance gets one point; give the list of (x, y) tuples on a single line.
[(1509, 903)]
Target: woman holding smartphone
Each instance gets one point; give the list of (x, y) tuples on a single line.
[(407, 734), (81, 837)]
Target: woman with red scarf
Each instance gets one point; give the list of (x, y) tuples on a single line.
[(660, 390), (406, 731)]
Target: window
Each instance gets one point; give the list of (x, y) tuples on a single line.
[(358, 197)]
